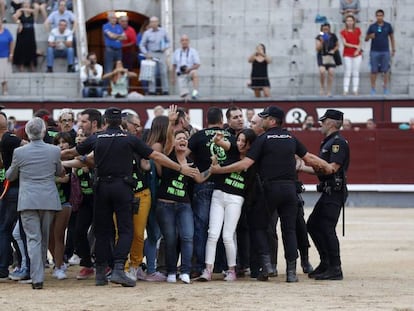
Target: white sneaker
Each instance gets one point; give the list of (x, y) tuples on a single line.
[(185, 278), (172, 278), (132, 273), (194, 94), (59, 274), (74, 260)]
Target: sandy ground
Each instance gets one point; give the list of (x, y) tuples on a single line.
[(378, 265)]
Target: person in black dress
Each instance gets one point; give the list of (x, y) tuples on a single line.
[(259, 77), (25, 51)]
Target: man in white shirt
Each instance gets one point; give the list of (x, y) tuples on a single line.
[(91, 77), (60, 45), (186, 62)]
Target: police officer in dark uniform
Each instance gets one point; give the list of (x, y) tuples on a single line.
[(275, 152), (324, 217), (113, 153)]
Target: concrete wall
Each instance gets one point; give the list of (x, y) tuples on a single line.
[(226, 33)]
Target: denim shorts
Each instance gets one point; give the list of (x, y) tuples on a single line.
[(380, 61)]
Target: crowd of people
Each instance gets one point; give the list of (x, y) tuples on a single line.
[(197, 190)]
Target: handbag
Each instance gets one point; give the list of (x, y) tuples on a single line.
[(328, 60), (337, 58), (76, 196), (147, 71)]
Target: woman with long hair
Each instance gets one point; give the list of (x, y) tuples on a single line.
[(119, 80), (226, 207), (351, 38), (259, 76)]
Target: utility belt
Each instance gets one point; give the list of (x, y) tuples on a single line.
[(334, 185)]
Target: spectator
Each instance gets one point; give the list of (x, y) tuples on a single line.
[(347, 126), (154, 44), (54, 5), (349, 7), (39, 6), (128, 45), (113, 35), (91, 77), (158, 111), (309, 124), (326, 47), (141, 56), (249, 116), (6, 56), (62, 13), (371, 125), (60, 45), (186, 62), (3, 11), (36, 166), (25, 51), (259, 77), (380, 34), (120, 80), (407, 126), (352, 54)]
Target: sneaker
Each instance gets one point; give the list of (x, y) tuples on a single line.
[(19, 274), (185, 278), (59, 274), (27, 281), (49, 69), (155, 277), (64, 267), (108, 273), (132, 273), (172, 278), (373, 92), (85, 273), (205, 276), (74, 260), (386, 92), (141, 275), (194, 94), (230, 276)]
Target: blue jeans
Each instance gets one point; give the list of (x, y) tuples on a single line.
[(8, 218), (92, 91), (111, 56), (380, 61), (150, 244), (201, 209), (176, 220), (52, 53)]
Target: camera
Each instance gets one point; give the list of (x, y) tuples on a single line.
[(183, 69)]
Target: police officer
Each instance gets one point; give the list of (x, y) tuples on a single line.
[(113, 152), (324, 217), (275, 152)]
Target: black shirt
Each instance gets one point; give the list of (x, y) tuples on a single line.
[(202, 148), (114, 151), (8, 143), (334, 149), (139, 175), (174, 185), (274, 151)]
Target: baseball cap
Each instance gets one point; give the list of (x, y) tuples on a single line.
[(113, 113), (272, 111), (332, 114)]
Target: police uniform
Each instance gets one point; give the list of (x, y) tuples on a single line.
[(324, 217), (274, 151), (113, 152)]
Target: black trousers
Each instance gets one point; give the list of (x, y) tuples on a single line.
[(83, 223), (301, 230), (113, 197), (321, 227)]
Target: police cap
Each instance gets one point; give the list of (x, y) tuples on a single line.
[(272, 111), (332, 114), (113, 113)]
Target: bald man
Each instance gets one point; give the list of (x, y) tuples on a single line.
[(154, 43), (186, 62)]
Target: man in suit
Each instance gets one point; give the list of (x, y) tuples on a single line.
[(36, 165)]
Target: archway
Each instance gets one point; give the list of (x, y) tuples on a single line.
[(96, 43)]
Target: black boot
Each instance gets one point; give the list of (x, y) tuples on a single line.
[(100, 277), (119, 277), (332, 273), (304, 261), (323, 266), (266, 268), (291, 272)]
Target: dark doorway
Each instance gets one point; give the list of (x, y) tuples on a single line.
[(96, 43)]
